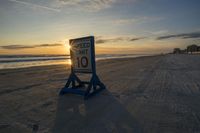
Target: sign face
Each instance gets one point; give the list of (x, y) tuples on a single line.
[(82, 54)]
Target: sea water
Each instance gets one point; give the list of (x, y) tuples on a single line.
[(22, 61)]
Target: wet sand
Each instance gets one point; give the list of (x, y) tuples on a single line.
[(157, 94)]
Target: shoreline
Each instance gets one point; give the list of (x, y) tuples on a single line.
[(97, 60)]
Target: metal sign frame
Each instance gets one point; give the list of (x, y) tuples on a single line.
[(85, 88)]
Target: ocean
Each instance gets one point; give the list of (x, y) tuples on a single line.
[(22, 61)]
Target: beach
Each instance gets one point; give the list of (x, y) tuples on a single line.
[(154, 94)]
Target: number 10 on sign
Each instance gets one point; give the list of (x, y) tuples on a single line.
[(81, 52)]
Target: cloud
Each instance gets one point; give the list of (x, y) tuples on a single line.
[(135, 39), (89, 5), (35, 5), (157, 33), (15, 47), (100, 40), (136, 20), (182, 36), (129, 20), (48, 45)]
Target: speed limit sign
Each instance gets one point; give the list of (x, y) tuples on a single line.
[(82, 54)]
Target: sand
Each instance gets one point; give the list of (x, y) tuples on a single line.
[(156, 94)]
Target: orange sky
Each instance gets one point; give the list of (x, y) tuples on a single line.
[(64, 49)]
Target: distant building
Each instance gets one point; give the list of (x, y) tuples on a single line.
[(198, 48), (177, 51), (184, 51), (192, 48)]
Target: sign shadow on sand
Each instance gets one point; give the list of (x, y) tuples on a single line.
[(100, 114)]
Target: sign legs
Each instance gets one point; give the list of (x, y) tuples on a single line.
[(87, 89), (94, 86)]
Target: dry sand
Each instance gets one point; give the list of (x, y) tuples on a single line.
[(158, 94)]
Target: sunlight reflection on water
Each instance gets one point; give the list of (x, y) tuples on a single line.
[(11, 65)]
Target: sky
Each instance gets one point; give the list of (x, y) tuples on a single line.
[(119, 26)]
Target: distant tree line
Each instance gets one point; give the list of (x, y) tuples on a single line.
[(189, 50)]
